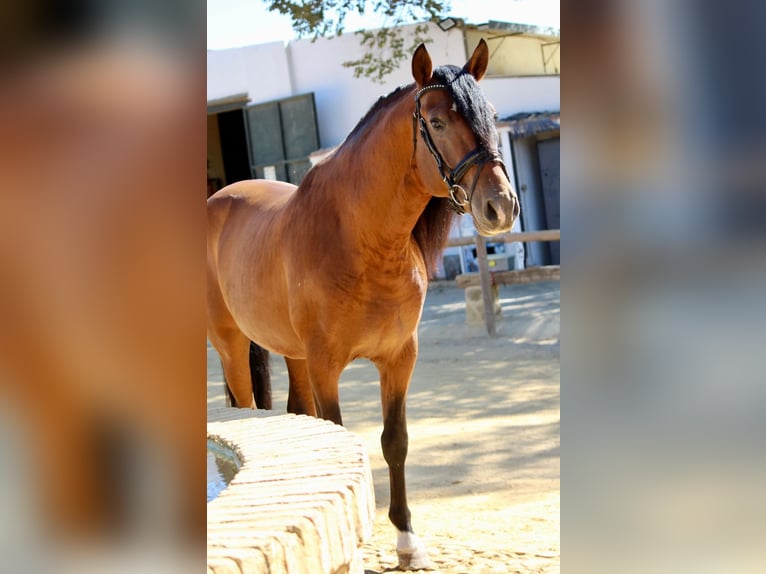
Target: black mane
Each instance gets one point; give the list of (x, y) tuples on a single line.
[(464, 91), (470, 103), (381, 103)]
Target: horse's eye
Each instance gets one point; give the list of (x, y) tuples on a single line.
[(437, 124)]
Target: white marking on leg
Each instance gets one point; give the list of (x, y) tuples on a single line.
[(411, 551)]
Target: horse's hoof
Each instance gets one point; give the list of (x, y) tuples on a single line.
[(414, 561), (412, 552)]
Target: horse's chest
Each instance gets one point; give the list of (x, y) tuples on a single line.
[(363, 309), (387, 312)]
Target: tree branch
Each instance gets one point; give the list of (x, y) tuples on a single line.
[(384, 48)]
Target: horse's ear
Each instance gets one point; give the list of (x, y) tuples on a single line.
[(477, 65), (421, 66)]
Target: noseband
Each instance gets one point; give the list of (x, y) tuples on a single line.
[(459, 197)]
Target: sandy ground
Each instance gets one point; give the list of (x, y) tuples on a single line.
[(483, 419)]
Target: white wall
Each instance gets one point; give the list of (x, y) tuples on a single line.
[(341, 99), (531, 94), (261, 71), (272, 71)]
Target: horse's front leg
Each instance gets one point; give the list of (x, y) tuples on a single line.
[(324, 374), (300, 399), (395, 373)]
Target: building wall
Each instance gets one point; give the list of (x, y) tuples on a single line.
[(341, 99), (530, 94), (518, 55), (272, 71), (261, 71)]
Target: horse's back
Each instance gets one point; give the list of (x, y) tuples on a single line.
[(249, 196), (245, 207)]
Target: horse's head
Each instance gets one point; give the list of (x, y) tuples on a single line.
[(458, 156)]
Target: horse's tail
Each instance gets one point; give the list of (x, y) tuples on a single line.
[(260, 375)]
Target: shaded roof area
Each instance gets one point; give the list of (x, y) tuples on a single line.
[(225, 104), (515, 29), (528, 124)]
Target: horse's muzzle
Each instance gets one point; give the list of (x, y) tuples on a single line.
[(495, 213)]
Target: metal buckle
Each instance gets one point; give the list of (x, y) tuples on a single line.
[(459, 206)]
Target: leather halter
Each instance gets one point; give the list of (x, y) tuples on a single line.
[(452, 177)]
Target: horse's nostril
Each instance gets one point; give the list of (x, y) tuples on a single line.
[(490, 213)]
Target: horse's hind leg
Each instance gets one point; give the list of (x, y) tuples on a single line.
[(260, 376), (300, 399), (234, 349), (395, 373), (232, 345)]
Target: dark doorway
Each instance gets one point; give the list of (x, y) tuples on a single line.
[(231, 126)]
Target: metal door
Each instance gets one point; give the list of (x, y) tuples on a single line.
[(282, 135), (550, 177)]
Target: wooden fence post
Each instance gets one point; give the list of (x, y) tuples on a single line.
[(486, 285)]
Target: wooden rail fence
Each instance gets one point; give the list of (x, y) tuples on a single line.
[(487, 278)]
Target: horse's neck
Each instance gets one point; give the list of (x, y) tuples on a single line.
[(376, 172)]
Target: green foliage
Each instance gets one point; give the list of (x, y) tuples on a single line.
[(385, 48)]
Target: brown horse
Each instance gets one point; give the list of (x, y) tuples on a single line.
[(337, 268)]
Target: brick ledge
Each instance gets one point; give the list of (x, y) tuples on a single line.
[(303, 500)]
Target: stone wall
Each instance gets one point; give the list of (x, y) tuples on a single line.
[(303, 501)]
